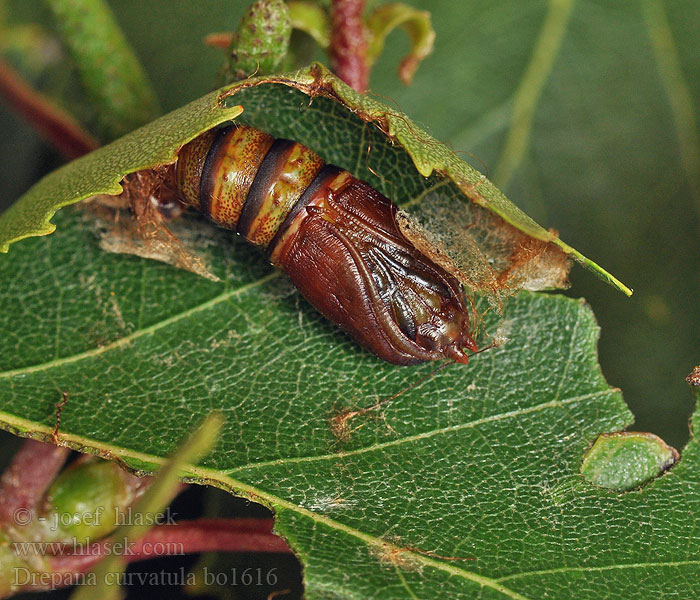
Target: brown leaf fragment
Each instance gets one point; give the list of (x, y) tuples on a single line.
[(138, 222)]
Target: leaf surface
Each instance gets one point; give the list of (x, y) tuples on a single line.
[(478, 461), (101, 171)]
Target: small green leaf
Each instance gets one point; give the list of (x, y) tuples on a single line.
[(625, 460), (312, 19), (417, 25)]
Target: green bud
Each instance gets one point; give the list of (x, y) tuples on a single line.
[(84, 501), (261, 41)]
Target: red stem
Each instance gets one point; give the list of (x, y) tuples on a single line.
[(53, 124), (29, 475), (184, 537), (349, 43)]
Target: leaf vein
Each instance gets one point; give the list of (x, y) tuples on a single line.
[(678, 563), (124, 341), (423, 435)]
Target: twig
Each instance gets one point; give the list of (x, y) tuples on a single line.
[(184, 537), (349, 43), (51, 122), (108, 68)]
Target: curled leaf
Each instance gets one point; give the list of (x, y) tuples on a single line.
[(311, 19), (101, 171), (416, 23), (496, 247)]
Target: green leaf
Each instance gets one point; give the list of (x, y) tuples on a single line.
[(605, 162), (387, 17), (604, 165), (478, 461), (101, 171), (312, 19), (475, 462)]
